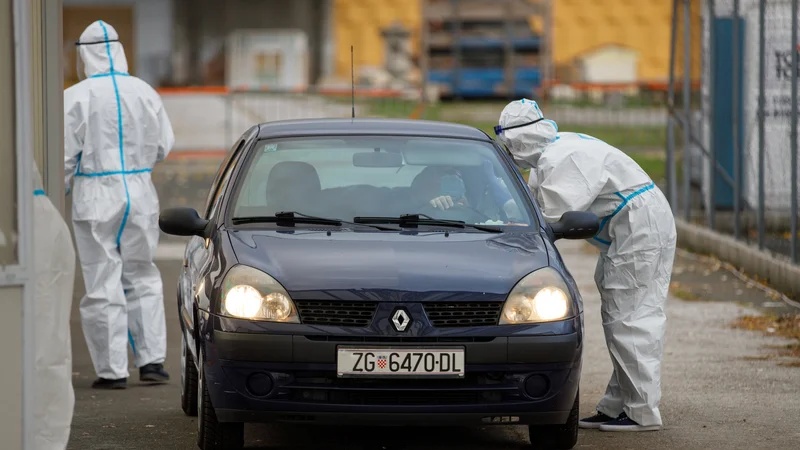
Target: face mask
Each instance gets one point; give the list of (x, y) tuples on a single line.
[(453, 186)]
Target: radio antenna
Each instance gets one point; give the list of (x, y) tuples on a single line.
[(352, 83)]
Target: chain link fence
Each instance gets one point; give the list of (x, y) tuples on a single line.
[(732, 144)]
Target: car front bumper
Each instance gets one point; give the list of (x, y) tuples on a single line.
[(512, 377)]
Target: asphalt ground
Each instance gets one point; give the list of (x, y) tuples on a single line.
[(721, 388)]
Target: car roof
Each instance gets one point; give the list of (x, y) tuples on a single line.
[(369, 126)]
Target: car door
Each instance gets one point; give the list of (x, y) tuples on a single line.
[(199, 251)]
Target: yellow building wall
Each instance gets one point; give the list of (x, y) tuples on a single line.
[(579, 26), (360, 22)]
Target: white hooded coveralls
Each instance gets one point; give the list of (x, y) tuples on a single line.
[(577, 172), (115, 131), (54, 272)]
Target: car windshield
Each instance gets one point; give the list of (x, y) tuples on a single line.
[(375, 179)]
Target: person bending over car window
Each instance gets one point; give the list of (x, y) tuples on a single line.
[(637, 237)]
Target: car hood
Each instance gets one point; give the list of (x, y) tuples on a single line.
[(314, 261)]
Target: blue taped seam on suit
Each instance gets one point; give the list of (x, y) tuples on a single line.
[(39, 192), (112, 74), (118, 172), (538, 111), (130, 335), (119, 74), (130, 339), (78, 165), (625, 201)]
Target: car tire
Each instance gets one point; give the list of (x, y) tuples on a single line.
[(557, 437), (188, 381), (211, 434)]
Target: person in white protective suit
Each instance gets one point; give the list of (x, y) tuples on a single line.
[(115, 131), (637, 237), (54, 275)]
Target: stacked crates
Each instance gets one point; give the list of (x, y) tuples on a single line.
[(486, 48)]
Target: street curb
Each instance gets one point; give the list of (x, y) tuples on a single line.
[(777, 273)]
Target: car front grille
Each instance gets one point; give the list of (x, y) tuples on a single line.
[(341, 313), (398, 339), (475, 389), (463, 314)]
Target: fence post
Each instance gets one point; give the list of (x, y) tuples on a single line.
[(687, 86), (672, 179), (793, 240), (737, 159), (761, 118), (712, 148)]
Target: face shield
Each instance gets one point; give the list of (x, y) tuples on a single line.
[(502, 136), (499, 130)]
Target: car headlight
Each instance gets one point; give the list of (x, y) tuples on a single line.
[(541, 296), (249, 293)]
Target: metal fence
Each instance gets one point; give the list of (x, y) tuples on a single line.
[(732, 144), (212, 118)]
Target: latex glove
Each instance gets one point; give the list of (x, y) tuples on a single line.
[(442, 202), (499, 194)]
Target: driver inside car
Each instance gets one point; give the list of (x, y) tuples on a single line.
[(450, 190)]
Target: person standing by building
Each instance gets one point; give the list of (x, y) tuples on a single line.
[(54, 272), (115, 131)]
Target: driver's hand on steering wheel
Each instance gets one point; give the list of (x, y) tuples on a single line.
[(442, 202)]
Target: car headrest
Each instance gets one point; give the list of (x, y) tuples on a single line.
[(290, 183)]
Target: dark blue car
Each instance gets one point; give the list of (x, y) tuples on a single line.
[(381, 272)]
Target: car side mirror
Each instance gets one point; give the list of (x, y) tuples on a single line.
[(183, 222), (576, 225)]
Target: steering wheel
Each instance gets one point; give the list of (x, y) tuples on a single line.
[(465, 213)]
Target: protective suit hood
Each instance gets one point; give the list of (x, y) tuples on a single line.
[(526, 143), (100, 51)]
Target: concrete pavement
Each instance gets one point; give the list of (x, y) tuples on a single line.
[(716, 395), (719, 392)]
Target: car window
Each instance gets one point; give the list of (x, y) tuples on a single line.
[(453, 179), (222, 176)]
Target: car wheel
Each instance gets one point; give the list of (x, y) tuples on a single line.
[(557, 437), (211, 434), (188, 381)]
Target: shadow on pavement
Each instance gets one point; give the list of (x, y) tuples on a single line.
[(281, 437)]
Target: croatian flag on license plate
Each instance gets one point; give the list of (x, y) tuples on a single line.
[(382, 362)]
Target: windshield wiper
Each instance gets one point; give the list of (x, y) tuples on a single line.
[(412, 220), (290, 218)]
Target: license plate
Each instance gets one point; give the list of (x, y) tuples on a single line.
[(400, 362)]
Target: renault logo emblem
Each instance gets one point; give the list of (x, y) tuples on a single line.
[(400, 319)]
